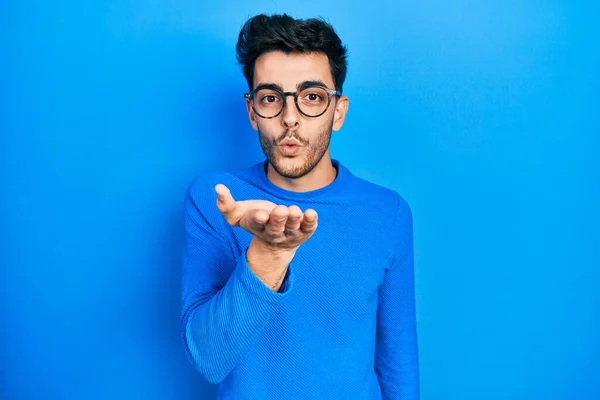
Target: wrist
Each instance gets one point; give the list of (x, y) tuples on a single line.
[(260, 256), (268, 264), (260, 247)]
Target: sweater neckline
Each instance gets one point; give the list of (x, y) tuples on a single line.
[(335, 185)]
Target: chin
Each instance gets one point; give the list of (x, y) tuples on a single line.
[(290, 167)]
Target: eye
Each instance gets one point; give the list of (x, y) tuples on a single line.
[(314, 97), (269, 98)]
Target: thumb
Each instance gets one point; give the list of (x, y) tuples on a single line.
[(225, 202)]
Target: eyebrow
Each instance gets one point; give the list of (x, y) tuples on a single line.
[(299, 86)]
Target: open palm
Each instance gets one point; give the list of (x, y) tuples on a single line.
[(278, 226)]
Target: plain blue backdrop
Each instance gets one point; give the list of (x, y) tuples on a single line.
[(483, 115)]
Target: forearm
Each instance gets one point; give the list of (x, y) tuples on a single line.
[(397, 355), (220, 330), (268, 264)]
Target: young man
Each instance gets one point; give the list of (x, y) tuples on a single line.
[(274, 307)]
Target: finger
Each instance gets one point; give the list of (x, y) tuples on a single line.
[(225, 202), (309, 222), (256, 220), (293, 220), (276, 223)]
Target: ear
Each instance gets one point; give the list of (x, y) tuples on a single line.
[(339, 115), (251, 115)]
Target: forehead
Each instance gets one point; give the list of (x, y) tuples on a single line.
[(288, 70)]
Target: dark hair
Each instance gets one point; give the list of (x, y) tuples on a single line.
[(262, 33)]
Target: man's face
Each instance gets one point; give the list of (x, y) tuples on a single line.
[(311, 136)]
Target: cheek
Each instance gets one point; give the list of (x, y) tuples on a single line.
[(268, 131), (320, 128), (267, 126)]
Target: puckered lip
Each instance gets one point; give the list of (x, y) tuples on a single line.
[(290, 142)]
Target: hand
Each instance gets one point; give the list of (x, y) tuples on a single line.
[(277, 226)]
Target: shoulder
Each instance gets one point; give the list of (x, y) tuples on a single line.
[(203, 185), (200, 197), (199, 206), (387, 200)]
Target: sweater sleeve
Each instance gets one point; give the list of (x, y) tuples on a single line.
[(396, 354), (225, 305)]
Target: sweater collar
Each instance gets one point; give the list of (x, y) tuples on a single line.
[(343, 174)]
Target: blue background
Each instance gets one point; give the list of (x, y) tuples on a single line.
[(483, 115)]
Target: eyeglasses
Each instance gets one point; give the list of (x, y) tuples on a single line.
[(268, 101)]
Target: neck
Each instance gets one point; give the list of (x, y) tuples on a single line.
[(321, 175)]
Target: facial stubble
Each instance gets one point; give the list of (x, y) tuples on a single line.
[(313, 152)]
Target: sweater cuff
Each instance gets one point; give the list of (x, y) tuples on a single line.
[(253, 283), (287, 281)]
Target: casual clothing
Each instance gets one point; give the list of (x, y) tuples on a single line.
[(341, 326)]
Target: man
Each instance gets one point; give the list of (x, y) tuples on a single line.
[(275, 307)]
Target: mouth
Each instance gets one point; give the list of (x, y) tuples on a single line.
[(290, 142), (290, 148)]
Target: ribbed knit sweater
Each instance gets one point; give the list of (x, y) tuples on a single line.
[(341, 326)]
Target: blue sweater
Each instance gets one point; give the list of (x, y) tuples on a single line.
[(342, 325)]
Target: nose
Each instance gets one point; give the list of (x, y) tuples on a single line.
[(290, 115)]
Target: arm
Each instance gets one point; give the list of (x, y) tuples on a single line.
[(396, 353), (224, 304)]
